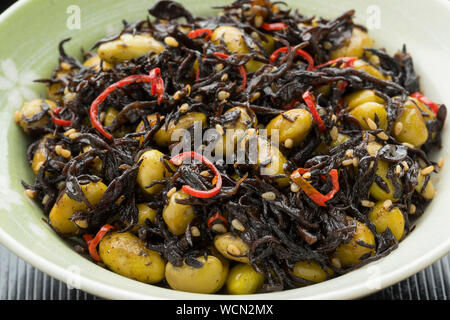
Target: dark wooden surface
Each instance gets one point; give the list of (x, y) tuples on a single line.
[(21, 281)]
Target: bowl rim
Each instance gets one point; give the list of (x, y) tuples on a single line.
[(97, 288)]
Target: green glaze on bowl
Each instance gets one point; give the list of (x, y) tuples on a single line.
[(30, 32)]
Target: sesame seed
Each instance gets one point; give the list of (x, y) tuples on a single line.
[(204, 173), (347, 162), (412, 209), (307, 175), (334, 133), (223, 95), (269, 195), (237, 225), (171, 41), (398, 128), (219, 129), (69, 132), (184, 107), (405, 165), (259, 21), (224, 77), (349, 153), (336, 263), (124, 166), (440, 162), (62, 152), (334, 118), (218, 227), (327, 45), (45, 199), (255, 96), (102, 116), (289, 143), (177, 95), (74, 135), (195, 231), (398, 170), (367, 203), (82, 223), (218, 67), (409, 145), (30, 193), (427, 170), (387, 204), (355, 161), (295, 187), (233, 250), (171, 192), (383, 136), (371, 124), (255, 36)]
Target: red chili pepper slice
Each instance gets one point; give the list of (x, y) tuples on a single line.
[(347, 62), (312, 192), (92, 243), (157, 87), (305, 55), (60, 122), (200, 32), (433, 106), (274, 26), (215, 217), (311, 103), (241, 69), (178, 159)]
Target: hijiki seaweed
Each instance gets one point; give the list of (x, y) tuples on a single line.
[(279, 230)]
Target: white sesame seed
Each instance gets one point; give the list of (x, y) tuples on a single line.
[(387, 204), (427, 170), (269, 195), (177, 95), (336, 263), (371, 124), (219, 129), (45, 199), (355, 161), (218, 227), (405, 165), (237, 225), (334, 133), (82, 223), (218, 67), (171, 41), (409, 145), (255, 96), (307, 175), (440, 162), (224, 77), (367, 203), (184, 107), (171, 192), (62, 152), (30, 193), (398, 128), (289, 143), (334, 118), (295, 187), (255, 36), (233, 250), (347, 162), (259, 21), (412, 209), (69, 132), (195, 231), (223, 95), (398, 169), (383, 136), (349, 153)]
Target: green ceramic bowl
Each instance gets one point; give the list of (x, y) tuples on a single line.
[(30, 32)]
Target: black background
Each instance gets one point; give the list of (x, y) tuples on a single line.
[(19, 280)]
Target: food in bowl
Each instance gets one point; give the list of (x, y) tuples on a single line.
[(258, 150)]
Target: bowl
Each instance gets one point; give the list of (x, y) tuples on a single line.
[(30, 33)]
